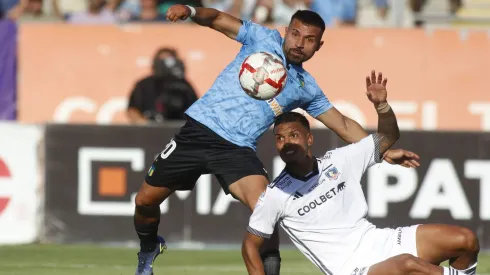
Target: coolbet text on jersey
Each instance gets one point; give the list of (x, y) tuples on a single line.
[(231, 113)]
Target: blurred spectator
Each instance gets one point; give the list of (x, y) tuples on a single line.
[(343, 12), (163, 95), (31, 10), (6, 5), (98, 12), (335, 12), (233, 7), (165, 4), (418, 5), (148, 12), (276, 11)]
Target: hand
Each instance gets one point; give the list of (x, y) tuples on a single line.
[(402, 157), (178, 12), (376, 90)]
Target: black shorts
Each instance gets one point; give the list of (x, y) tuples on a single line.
[(197, 150)]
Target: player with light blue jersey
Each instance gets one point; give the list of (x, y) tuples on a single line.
[(223, 126), (240, 119)]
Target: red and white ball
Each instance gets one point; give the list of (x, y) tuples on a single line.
[(262, 75)]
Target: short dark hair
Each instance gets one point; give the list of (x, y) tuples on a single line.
[(292, 117), (309, 18)]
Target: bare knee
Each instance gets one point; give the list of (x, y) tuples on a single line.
[(468, 240), (141, 200), (147, 201)]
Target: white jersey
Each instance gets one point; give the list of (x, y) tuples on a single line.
[(324, 212)]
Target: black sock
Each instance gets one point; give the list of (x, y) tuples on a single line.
[(272, 262), (147, 233)]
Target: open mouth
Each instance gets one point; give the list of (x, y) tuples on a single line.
[(289, 152)]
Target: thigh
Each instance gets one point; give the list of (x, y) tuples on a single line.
[(401, 265), (437, 243), (232, 164)]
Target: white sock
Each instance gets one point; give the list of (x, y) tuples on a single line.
[(451, 271), (470, 270)]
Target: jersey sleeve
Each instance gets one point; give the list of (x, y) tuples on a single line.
[(267, 212), (250, 33), (361, 155), (319, 104)]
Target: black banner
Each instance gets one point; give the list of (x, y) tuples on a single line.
[(94, 172)]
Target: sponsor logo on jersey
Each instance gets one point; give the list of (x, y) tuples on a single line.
[(332, 173), (282, 183), (301, 80), (274, 105), (315, 186), (327, 155), (297, 195), (399, 237), (330, 194)]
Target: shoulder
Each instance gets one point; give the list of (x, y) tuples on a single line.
[(310, 80), (145, 81), (260, 32), (353, 148)]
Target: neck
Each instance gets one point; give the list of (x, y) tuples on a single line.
[(301, 168)]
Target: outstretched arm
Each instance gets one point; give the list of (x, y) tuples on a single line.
[(212, 18), (388, 132), (346, 128), (350, 131)]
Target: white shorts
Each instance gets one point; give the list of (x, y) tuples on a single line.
[(378, 245)]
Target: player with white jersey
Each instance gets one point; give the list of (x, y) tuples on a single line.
[(222, 127), (320, 204)]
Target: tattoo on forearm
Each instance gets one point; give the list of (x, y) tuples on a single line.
[(388, 130)]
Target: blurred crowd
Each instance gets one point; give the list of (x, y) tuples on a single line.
[(334, 12)]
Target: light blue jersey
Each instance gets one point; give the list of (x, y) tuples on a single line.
[(231, 113)]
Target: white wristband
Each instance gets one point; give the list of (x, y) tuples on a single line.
[(193, 11), (383, 108)]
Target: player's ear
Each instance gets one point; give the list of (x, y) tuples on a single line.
[(320, 45), (310, 139), (286, 30)]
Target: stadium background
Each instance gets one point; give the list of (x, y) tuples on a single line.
[(70, 163)]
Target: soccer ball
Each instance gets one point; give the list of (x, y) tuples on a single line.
[(262, 75)]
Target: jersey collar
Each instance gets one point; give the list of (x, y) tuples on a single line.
[(308, 176)]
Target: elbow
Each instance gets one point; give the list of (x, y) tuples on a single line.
[(393, 139)]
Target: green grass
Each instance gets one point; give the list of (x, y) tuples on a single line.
[(77, 259)]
